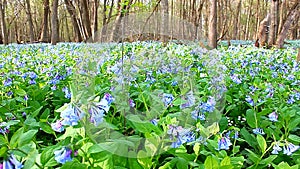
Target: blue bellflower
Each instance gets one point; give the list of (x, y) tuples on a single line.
[(11, 163), (273, 117), (289, 148), (168, 99), (258, 131), (63, 155), (57, 126), (224, 143), (71, 115), (276, 148)]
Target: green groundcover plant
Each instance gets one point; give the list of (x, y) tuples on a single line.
[(148, 105)]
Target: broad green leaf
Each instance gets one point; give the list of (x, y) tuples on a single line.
[(211, 163), (26, 137), (250, 117), (294, 138), (262, 143), (47, 157), (196, 148), (20, 92)]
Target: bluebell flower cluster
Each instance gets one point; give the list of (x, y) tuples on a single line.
[(180, 135), (63, 155), (224, 143), (288, 148), (57, 126), (249, 100), (67, 92), (98, 110), (190, 100), (202, 108), (168, 99), (258, 131), (4, 128), (273, 117), (11, 163)]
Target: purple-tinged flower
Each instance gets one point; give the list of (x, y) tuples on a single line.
[(190, 100), (10, 93), (96, 115), (297, 96), (4, 128), (32, 75), (258, 131), (105, 102), (15, 162), (289, 148), (7, 82), (63, 155), (57, 126), (209, 106), (26, 97), (131, 103), (196, 114), (273, 117), (249, 100), (236, 135), (1, 166), (224, 143), (168, 99), (24, 114), (235, 79), (276, 148), (32, 81), (71, 115), (180, 135), (291, 100)]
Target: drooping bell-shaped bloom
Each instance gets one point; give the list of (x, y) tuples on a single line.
[(290, 148), (71, 115), (258, 131), (63, 155), (276, 148), (168, 99), (57, 126), (224, 143), (273, 117)]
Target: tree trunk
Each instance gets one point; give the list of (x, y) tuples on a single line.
[(95, 18), (3, 23), (86, 18), (263, 31), (274, 22), (236, 20), (294, 12), (71, 11), (298, 56), (45, 31), (213, 24), (54, 23), (29, 17), (165, 20)]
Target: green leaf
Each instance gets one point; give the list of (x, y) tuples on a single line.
[(262, 143), (237, 162), (3, 151), (14, 139), (182, 163), (294, 123), (252, 156), (294, 138), (248, 137), (2, 141), (36, 112), (250, 117), (20, 92), (46, 128), (226, 161), (26, 137), (196, 148), (211, 163), (74, 164), (228, 98), (268, 160)]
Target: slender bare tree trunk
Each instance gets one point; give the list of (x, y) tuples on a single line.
[(298, 56), (165, 19), (72, 12), (274, 22), (86, 18), (54, 23), (3, 23), (45, 31), (263, 31), (293, 14), (236, 20), (213, 24), (29, 17), (95, 18)]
